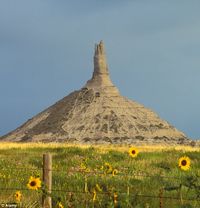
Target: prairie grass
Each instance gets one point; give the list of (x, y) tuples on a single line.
[(102, 148), (79, 169)]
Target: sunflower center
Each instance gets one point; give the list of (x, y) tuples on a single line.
[(32, 183), (183, 162), (133, 152)]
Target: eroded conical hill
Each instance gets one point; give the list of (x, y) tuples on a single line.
[(97, 114)]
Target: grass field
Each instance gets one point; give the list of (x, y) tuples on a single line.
[(102, 176)]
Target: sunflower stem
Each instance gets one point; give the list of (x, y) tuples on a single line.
[(180, 194)]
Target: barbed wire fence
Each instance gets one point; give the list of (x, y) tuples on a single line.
[(47, 172)]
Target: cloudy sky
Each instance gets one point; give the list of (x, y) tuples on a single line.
[(153, 49)]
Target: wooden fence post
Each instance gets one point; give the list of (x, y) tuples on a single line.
[(47, 180), (161, 198)]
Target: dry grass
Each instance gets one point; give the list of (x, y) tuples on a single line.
[(101, 148)]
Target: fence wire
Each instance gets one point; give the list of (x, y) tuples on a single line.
[(96, 173), (108, 193)]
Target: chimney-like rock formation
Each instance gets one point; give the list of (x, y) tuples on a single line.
[(97, 113), (101, 79), (100, 63)]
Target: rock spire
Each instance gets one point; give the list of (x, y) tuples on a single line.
[(100, 63), (97, 114), (101, 78)]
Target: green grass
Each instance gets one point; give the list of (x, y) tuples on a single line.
[(138, 183)]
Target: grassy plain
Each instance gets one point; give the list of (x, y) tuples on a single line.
[(81, 178)]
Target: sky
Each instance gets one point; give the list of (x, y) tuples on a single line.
[(152, 47)]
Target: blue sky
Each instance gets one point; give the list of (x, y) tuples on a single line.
[(152, 49)]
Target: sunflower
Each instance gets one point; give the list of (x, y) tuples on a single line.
[(184, 163), (98, 188), (114, 172), (34, 183), (83, 166), (59, 205), (115, 197), (94, 196), (133, 152), (108, 168), (18, 196)]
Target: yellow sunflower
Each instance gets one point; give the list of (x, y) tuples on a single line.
[(108, 168), (133, 152), (34, 183), (59, 205), (184, 163), (94, 196), (98, 188), (114, 172), (115, 197), (18, 196)]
